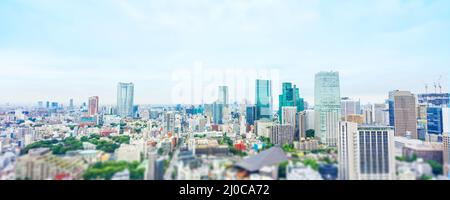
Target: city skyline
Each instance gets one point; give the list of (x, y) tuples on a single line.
[(74, 54)]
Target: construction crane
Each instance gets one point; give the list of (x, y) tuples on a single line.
[(435, 87), (439, 84)]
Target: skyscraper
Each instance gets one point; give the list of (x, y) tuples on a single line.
[(347, 150), (218, 109), (223, 95), (327, 106), (405, 120), (290, 96), (125, 97), (263, 99), (435, 121), (169, 122), (366, 152), (250, 115), (71, 106), (93, 105)]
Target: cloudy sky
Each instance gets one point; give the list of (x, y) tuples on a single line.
[(60, 49)]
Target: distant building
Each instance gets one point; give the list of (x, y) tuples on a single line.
[(289, 97), (93, 105), (327, 106), (281, 134), (405, 115), (223, 95), (366, 153), (350, 107), (381, 114), (263, 99), (250, 115), (289, 117), (169, 122), (125, 98), (218, 113), (426, 151), (359, 119), (434, 99)]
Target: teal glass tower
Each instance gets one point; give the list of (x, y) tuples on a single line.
[(263, 99), (290, 96)]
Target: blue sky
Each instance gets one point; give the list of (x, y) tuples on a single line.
[(60, 49)]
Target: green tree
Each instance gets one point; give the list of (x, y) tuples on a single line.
[(282, 169), (437, 167), (312, 163), (310, 133)]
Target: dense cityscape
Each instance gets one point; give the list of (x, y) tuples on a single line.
[(333, 138)]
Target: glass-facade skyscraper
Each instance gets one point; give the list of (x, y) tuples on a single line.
[(290, 96), (263, 99), (327, 106), (223, 95), (125, 97)]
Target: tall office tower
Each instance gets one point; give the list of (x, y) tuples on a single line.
[(391, 108), (223, 95), (289, 115), (281, 134), (169, 122), (125, 97), (93, 105), (381, 114), (47, 104), (368, 114), (327, 107), (405, 120), (301, 124), (347, 150), (263, 99), (350, 107), (251, 115), (218, 110), (366, 154), (71, 106), (310, 119), (435, 122), (290, 96)]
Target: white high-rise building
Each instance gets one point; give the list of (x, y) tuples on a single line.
[(366, 152), (125, 98), (347, 154), (327, 107)]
